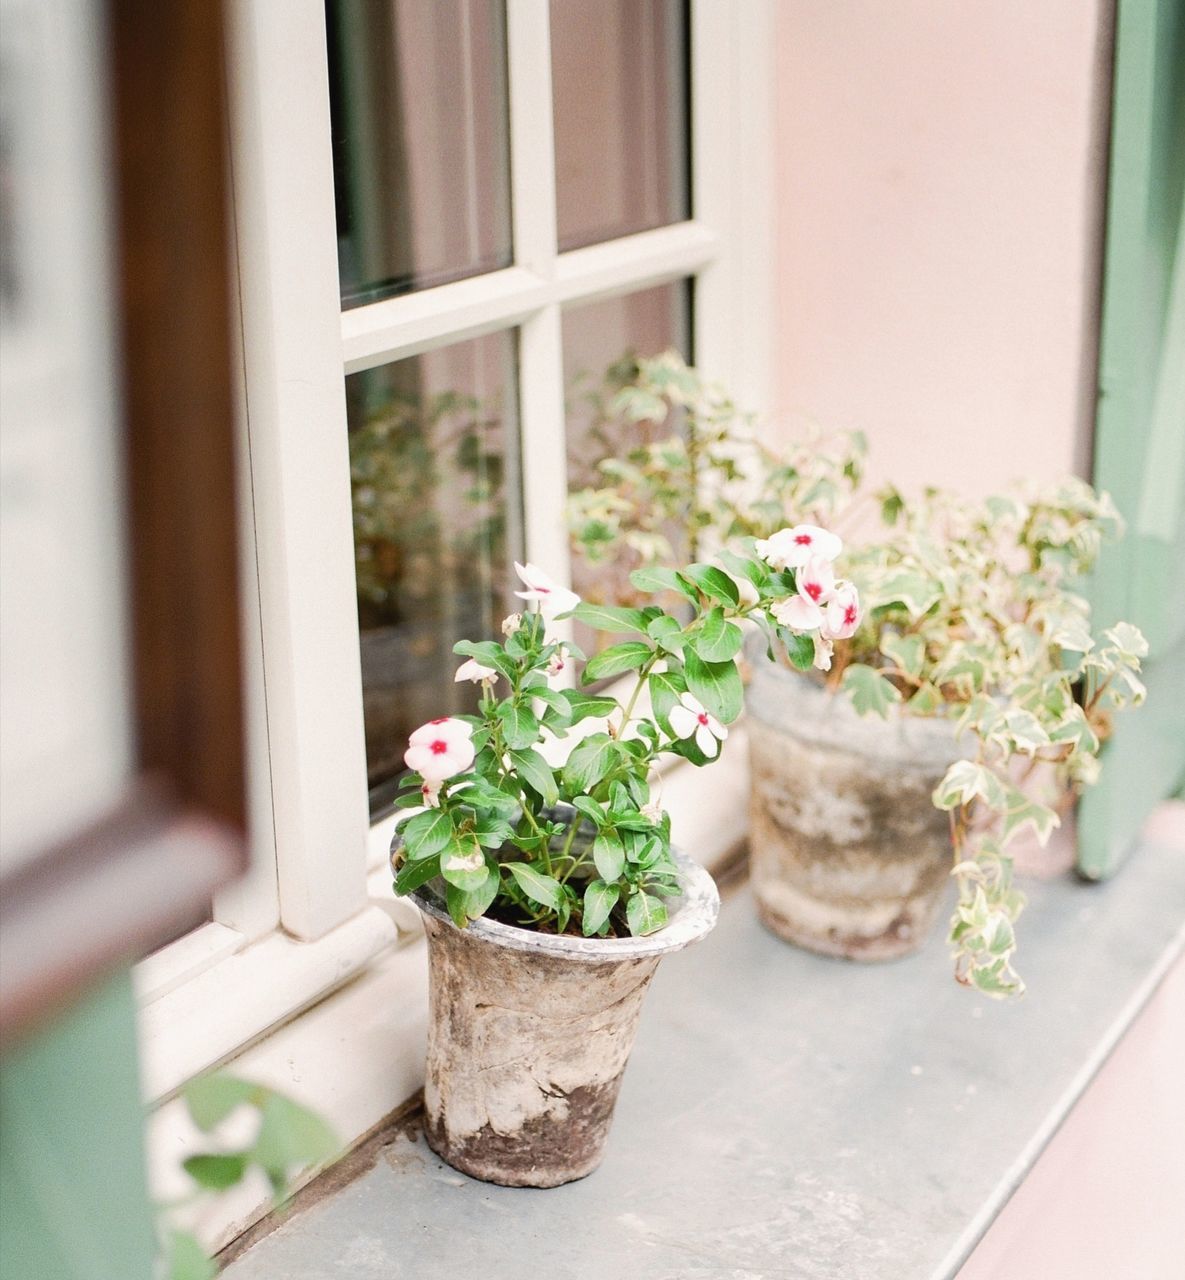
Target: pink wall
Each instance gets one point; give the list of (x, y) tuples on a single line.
[(940, 193)]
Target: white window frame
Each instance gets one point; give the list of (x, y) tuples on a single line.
[(316, 911)]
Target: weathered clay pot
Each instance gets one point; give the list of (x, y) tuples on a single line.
[(529, 1034), (848, 855)]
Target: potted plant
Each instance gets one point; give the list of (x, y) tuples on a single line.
[(548, 887), (972, 674)]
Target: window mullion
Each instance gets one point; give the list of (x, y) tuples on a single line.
[(286, 227), (532, 146)]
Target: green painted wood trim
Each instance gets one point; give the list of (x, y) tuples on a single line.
[(73, 1197), (1140, 430)]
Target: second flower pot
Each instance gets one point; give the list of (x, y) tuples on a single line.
[(848, 855)]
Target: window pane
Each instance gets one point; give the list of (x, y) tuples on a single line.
[(437, 520), (601, 341), (417, 92), (619, 77)]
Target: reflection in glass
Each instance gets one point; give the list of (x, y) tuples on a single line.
[(437, 521), (619, 83), (601, 342), (417, 92)]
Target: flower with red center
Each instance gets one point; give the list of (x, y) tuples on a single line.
[(440, 749), (689, 717), (557, 662), (550, 596), (792, 548), (843, 612)]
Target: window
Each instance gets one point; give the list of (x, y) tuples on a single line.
[(427, 306)]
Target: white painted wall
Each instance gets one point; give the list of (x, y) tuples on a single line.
[(940, 193)]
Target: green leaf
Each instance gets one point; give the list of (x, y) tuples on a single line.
[(470, 904), (187, 1260), (520, 725), (291, 1136), (581, 706), (414, 874), (590, 760), (599, 900), (609, 855), (427, 833), (464, 865), (908, 652), (216, 1171), (718, 640), (540, 888), (667, 633), (536, 773), (714, 583), (665, 688), (210, 1099), (716, 684), (645, 913), (629, 656), (654, 578), (607, 617), (871, 693), (587, 806), (487, 653), (800, 648)]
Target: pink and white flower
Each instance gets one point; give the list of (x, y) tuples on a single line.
[(842, 615), (791, 548), (430, 792), (551, 597), (557, 663), (474, 671), (689, 717), (804, 611), (440, 749), (511, 623)]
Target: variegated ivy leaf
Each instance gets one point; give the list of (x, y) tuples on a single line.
[(871, 693), (908, 652), (1128, 639), (915, 591), (966, 781), (1023, 811)]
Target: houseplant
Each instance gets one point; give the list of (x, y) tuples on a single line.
[(550, 890), (974, 655)]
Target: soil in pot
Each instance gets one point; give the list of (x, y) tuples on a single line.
[(529, 1035), (848, 855)]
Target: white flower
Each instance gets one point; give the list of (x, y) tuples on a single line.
[(511, 624), (822, 653), (843, 612), (440, 749), (791, 548), (473, 670), (689, 717), (816, 585), (747, 592), (652, 809), (557, 662), (799, 613), (430, 792), (552, 598)]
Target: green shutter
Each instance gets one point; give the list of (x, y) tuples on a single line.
[(1140, 430)]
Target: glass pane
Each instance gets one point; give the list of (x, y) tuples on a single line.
[(619, 80), (437, 521), (601, 342), (417, 93)]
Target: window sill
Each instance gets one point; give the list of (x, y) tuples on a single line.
[(784, 1111)]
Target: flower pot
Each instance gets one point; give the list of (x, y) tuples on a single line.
[(848, 855), (529, 1034)]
